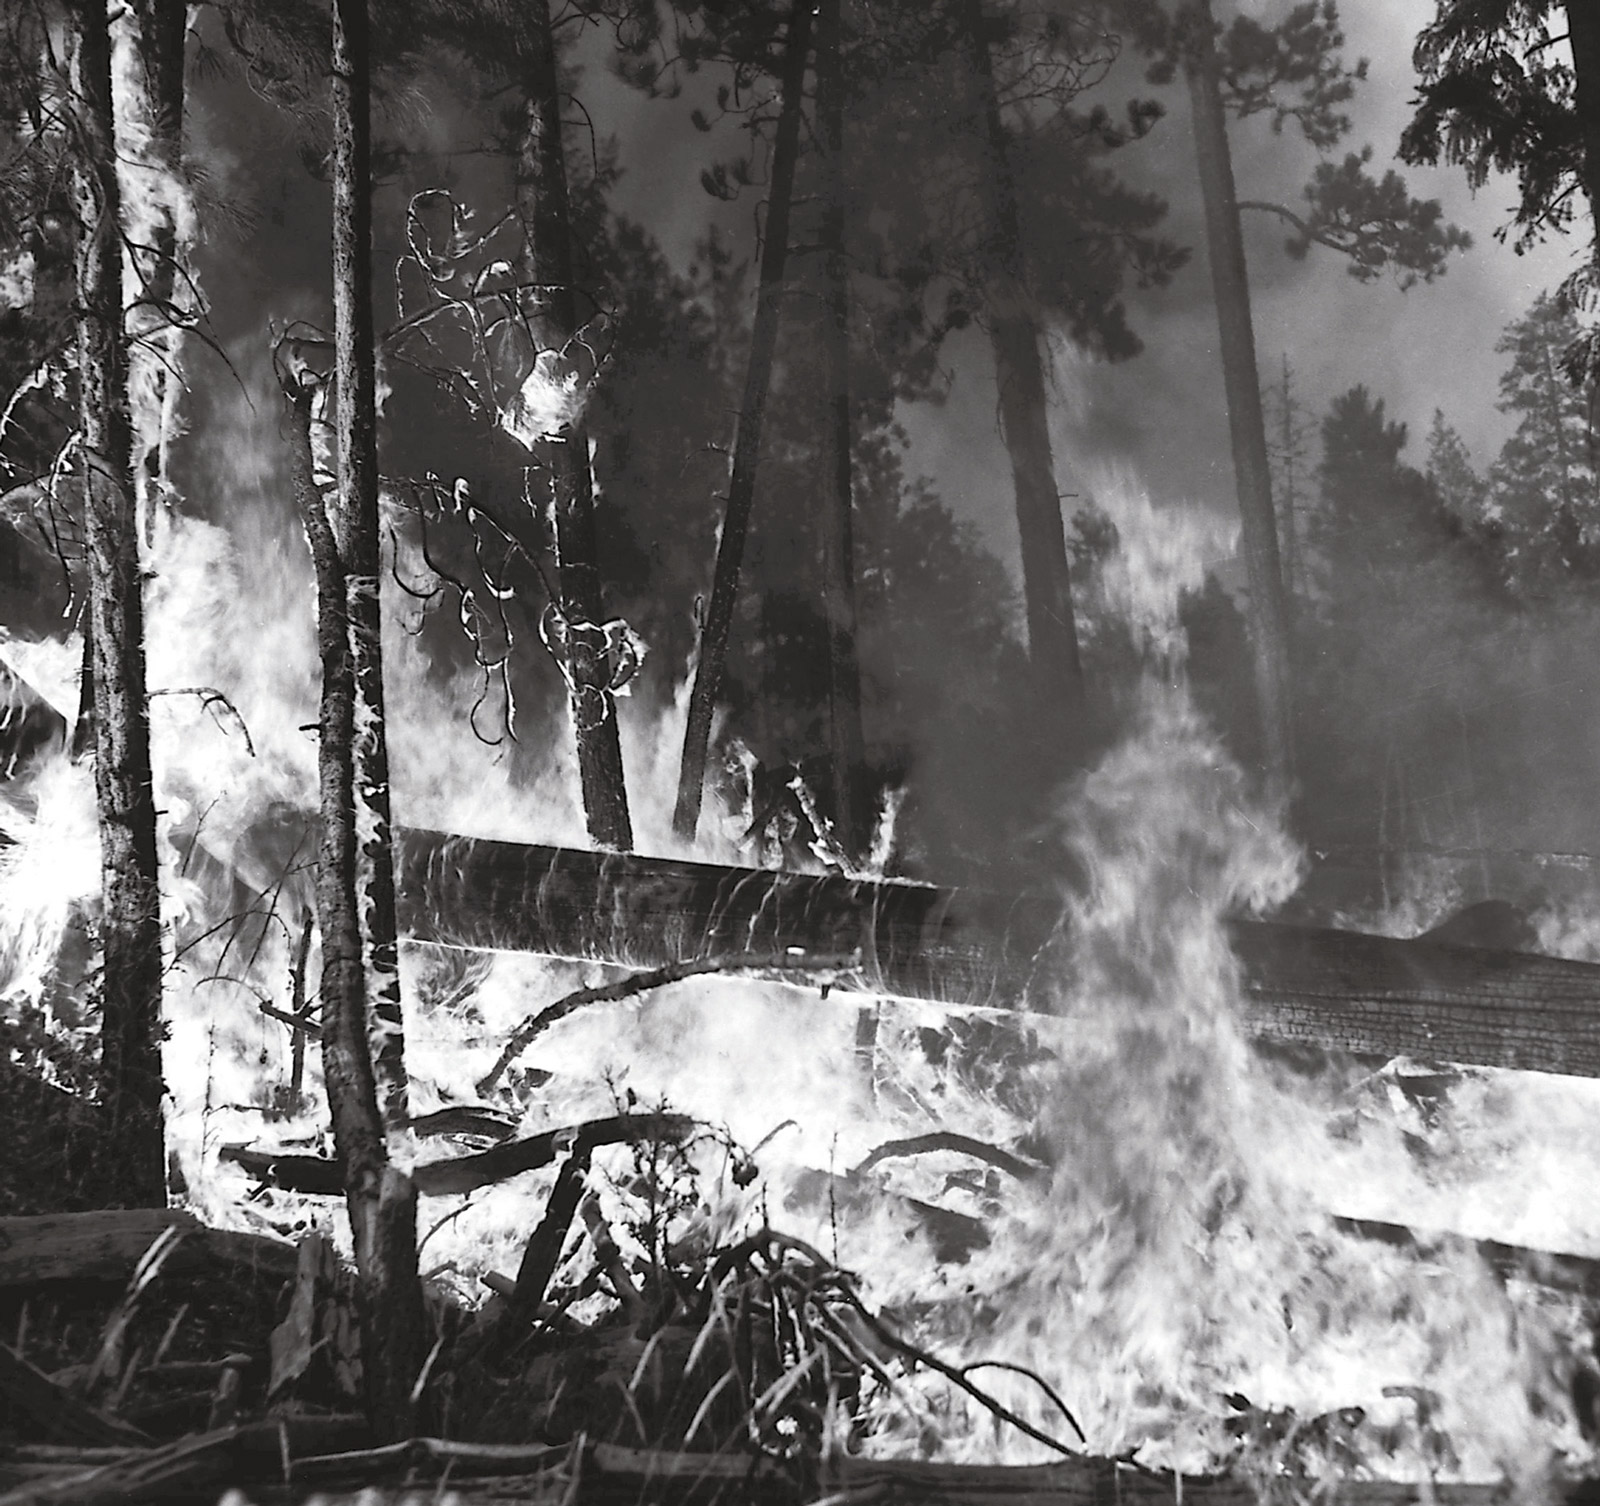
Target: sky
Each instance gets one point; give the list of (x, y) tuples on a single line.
[(1159, 419)]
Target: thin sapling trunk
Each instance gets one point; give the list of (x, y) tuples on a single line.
[(846, 740)]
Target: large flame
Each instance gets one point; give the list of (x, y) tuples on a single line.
[(1176, 1248)]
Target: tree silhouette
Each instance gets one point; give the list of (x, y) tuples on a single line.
[(1497, 94), (1290, 71)]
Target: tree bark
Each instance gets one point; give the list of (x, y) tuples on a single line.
[(1583, 33), (1290, 500), (1020, 374), (356, 532), (362, 1042), (162, 29), (747, 440), (1338, 990), (130, 920), (846, 740), (542, 203), (253, 1458), (1269, 618), (384, 1244)]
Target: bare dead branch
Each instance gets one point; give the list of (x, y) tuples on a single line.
[(916, 1145), (738, 964)]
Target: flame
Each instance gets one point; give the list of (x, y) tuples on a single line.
[(1178, 1252), (1177, 1247)]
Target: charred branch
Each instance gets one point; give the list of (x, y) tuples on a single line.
[(325, 1176), (627, 988)]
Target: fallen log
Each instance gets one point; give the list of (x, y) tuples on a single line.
[(600, 1474), (106, 1245), (200, 1467), (1338, 990)]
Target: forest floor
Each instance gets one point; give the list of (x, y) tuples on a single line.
[(147, 1357)]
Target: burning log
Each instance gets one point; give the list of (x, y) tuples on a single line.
[(1339, 990)]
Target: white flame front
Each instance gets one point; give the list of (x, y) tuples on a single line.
[(1179, 1249)]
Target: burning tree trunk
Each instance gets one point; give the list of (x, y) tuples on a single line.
[(1269, 617), (846, 741), (1332, 989), (543, 206), (747, 440), (362, 1044), (130, 921), (1019, 373)]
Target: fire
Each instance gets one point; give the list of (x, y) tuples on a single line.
[(1179, 1251), (1169, 1268)]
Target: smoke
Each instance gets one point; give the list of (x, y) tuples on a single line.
[(1176, 1277)]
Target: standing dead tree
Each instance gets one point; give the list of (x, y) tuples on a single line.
[(162, 306), (560, 437)]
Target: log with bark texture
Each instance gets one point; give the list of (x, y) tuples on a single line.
[(200, 1467), (1338, 990), (604, 1473), (106, 1245)]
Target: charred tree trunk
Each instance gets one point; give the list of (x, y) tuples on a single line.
[(1269, 617), (362, 1041), (542, 202), (1369, 995), (747, 440), (1020, 375), (846, 741), (130, 920)]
